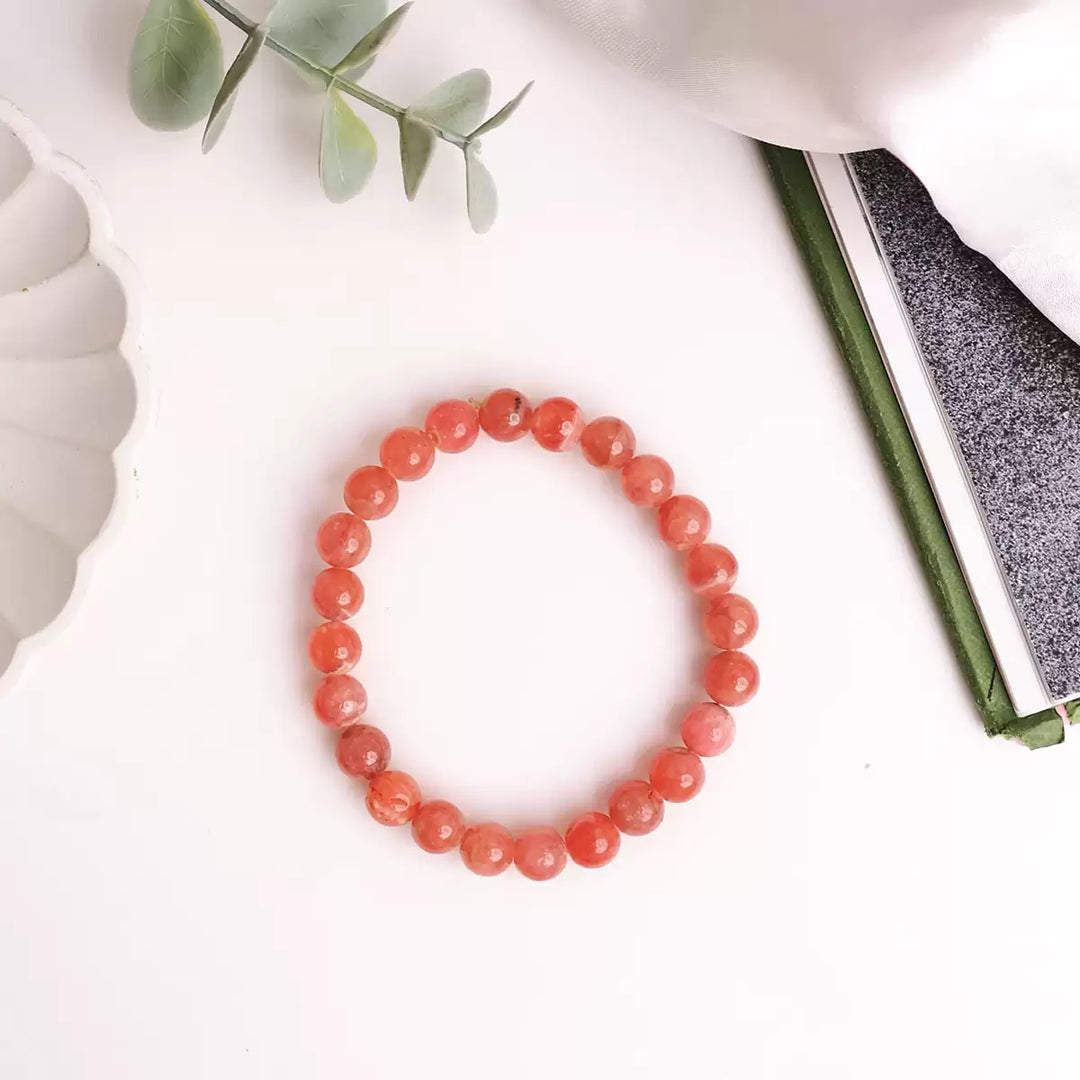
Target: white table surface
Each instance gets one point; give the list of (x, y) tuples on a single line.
[(866, 888)]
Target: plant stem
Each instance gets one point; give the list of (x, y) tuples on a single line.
[(346, 86)]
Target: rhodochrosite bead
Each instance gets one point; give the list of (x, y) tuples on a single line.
[(343, 540), (592, 839), (731, 678), (487, 849), (363, 751), (452, 426), (608, 443), (731, 622), (393, 798), (438, 826), (340, 700), (557, 424), (337, 594), (684, 522), (708, 729), (711, 570), (506, 415), (677, 774), (407, 453), (648, 480), (636, 808), (371, 492), (539, 853), (334, 648)]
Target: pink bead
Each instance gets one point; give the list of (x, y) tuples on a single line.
[(677, 774), (343, 540), (684, 522), (539, 853), (557, 424), (731, 622), (731, 678), (393, 798), (334, 648), (635, 808), (487, 849), (711, 570), (452, 426), (506, 415), (340, 700), (592, 839), (608, 443), (371, 492), (648, 480), (708, 729), (438, 826), (407, 453), (363, 751), (337, 594)]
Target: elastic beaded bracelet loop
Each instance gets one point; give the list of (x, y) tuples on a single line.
[(676, 773)]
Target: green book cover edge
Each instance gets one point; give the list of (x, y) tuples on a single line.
[(839, 298)]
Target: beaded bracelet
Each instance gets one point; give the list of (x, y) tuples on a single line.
[(636, 807)]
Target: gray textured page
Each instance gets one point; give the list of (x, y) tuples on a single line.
[(1009, 381)]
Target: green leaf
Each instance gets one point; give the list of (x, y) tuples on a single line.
[(221, 110), (176, 65), (324, 30), (348, 152), (417, 144), (480, 189), (363, 52), (458, 104), (503, 114)]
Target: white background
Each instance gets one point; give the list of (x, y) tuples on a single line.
[(867, 887)]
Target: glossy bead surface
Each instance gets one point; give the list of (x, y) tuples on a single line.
[(487, 849), (343, 540), (648, 480), (539, 853), (557, 424), (636, 808), (677, 774), (339, 701), (731, 622), (393, 798), (684, 522), (334, 648), (592, 839), (363, 751), (452, 426), (608, 443), (371, 492), (407, 453), (438, 826), (708, 729), (711, 570), (731, 678), (506, 415), (337, 594)]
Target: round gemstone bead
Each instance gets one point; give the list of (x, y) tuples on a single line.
[(438, 826), (708, 729), (407, 453), (506, 415), (557, 424), (371, 492), (337, 594), (635, 808), (340, 700), (731, 622), (731, 678), (487, 849), (592, 839), (648, 480), (452, 426), (539, 853), (608, 443), (363, 751), (334, 648), (684, 522), (677, 774), (393, 798), (711, 570), (343, 540)]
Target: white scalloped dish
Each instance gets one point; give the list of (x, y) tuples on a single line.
[(68, 393)]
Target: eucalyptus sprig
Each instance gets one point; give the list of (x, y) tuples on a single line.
[(177, 77)]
